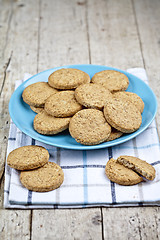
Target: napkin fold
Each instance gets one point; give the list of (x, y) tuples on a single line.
[(85, 183)]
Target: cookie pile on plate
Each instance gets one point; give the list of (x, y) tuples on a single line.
[(95, 110)]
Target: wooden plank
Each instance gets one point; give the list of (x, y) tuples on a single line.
[(66, 224), (131, 223), (113, 35), (5, 19), (1, 192), (63, 40), (21, 56), (17, 57), (114, 41), (14, 224), (63, 34), (148, 24)]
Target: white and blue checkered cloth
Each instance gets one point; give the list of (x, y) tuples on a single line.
[(85, 183)]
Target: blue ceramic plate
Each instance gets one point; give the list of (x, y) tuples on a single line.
[(23, 116)]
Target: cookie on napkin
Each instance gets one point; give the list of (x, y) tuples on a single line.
[(44, 179), (117, 173), (28, 157), (140, 166)]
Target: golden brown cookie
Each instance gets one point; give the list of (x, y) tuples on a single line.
[(62, 104), (37, 93), (138, 165), (92, 95), (44, 179), (89, 127), (122, 115), (119, 174), (68, 78), (113, 80), (132, 97), (114, 134), (37, 109), (48, 125), (28, 157)]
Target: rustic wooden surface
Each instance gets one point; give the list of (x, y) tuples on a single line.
[(41, 34)]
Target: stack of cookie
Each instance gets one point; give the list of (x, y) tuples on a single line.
[(95, 110), (37, 173)]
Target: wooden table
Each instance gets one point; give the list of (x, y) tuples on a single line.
[(38, 35)]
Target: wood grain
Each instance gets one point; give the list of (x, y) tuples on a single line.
[(67, 224), (21, 56), (113, 35), (65, 37), (148, 25), (14, 224), (5, 20), (131, 223), (45, 34), (65, 41)]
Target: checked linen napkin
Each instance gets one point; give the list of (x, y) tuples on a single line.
[(85, 183)]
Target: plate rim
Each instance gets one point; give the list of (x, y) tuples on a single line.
[(80, 146)]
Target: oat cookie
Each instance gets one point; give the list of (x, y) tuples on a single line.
[(28, 157), (89, 127), (122, 115), (44, 179), (111, 79), (92, 95), (37, 109), (37, 93), (132, 97), (114, 134), (48, 125), (119, 174), (68, 78), (138, 165), (62, 104)]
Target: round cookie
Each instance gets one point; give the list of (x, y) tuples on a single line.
[(113, 80), (62, 104), (28, 157), (122, 115), (119, 174), (48, 125), (44, 179), (132, 97), (89, 127), (138, 165), (68, 78), (36, 109), (114, 134), (92, 95), (37, 93)]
